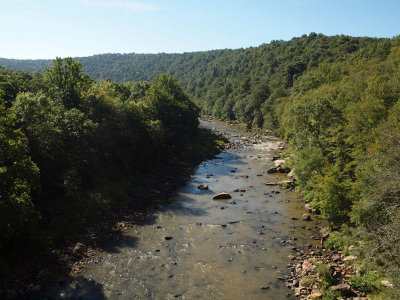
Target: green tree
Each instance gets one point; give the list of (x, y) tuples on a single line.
[(66, 81)]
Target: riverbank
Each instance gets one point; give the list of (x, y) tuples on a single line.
[(29, 279)]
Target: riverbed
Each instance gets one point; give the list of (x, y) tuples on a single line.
[(193, 247)]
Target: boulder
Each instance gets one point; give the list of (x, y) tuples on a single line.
[(222, 196), (202, 187), (306, 217), (279, 162)]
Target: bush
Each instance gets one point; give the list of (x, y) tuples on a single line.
[(367, 283)]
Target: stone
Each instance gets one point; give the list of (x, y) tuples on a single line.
[(316, 295), (349, 258), (168, 238), (202, 187), (241, 176), (290, 181), (279, 162), (307, 266), (297, 291), (271, 183), (222, 196), (308, 207), (343, 288), (272, 170), (387, 283), (306, 217), (336, 257)]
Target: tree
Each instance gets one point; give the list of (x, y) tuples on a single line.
[(66, 81)]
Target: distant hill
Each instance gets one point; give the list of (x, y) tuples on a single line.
[(231, 84)]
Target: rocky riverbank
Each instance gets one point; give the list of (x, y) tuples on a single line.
[(319, 272)]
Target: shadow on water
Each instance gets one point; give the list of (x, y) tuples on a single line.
[(57, 276)]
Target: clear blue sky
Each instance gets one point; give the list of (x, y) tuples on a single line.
[(50, 28)]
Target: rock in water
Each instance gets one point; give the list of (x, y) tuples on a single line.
[(222, 196), (202, 187)]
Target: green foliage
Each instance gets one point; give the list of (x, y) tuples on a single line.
[(367, 283), (337, 241), (18, 179), (66, 81), (325, 274), (328, 294)]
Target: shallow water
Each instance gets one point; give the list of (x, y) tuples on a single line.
[(214, 253)]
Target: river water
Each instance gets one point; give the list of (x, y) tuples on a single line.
[(233, 249)]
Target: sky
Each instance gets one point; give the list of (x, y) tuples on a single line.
[(61, 28)]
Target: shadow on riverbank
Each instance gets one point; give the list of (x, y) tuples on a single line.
[(61, 268)]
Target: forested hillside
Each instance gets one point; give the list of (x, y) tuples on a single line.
[(242, 84)]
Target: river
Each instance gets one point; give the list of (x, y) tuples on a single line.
[(233, 249)]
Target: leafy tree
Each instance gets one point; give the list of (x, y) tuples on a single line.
[(66, 81)]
